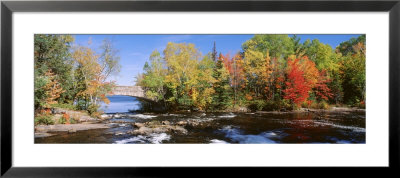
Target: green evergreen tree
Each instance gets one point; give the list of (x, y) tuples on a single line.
[(52, 52), (223, 91)]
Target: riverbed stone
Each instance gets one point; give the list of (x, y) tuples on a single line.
[(138, 125), (119, 133), (44, 134), (179, 129), (181, 123), (143, 130), (72, 130), (67, 128), (40, 129), (152, 127)]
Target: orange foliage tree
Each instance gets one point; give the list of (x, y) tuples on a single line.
[(53, 89), (234, 65)]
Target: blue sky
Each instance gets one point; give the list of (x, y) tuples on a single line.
[(134, 50)]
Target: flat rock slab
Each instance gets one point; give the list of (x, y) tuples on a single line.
[(40, 135), (68, 128)]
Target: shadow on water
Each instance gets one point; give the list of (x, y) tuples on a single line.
[(221, 128)]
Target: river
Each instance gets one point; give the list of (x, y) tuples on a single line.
[(220, 128)]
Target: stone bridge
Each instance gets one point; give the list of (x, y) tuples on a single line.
[(135, 91)]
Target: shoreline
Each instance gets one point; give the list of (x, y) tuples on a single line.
[(51, 130), (301, 110)]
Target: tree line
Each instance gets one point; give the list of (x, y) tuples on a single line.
[(71, 75), (271, 72)]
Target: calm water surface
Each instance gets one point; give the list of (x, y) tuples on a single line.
[(223, 128)]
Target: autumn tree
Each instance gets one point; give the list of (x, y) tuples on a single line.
[(258, 72), (237, 75), (269, 72), (182, 61), (52, 52), (302, 76), (154, 77), (353, 75), (297, 88), (278, 46), (108, 60), (346, 47), (203, 90), (90, 81), (321, 89), (47, 90)]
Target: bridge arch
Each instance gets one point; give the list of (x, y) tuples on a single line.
[(135, 91)]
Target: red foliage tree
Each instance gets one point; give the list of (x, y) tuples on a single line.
[(321, 89), (297, 88), (234, 65)]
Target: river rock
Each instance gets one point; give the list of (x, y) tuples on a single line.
[(165, 123), (243, 109), (118, 133), (40, 135), (181, 123), (86, 119), (179, 129), (59, 110), (194, 123), (72, 130), (143, 130), (39, 129), (67, 128), (138, 125), (152, 127)]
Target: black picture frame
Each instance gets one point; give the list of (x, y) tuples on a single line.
[(8, 7)]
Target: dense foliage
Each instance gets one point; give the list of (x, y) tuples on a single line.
[(71, 75), (271, 72)]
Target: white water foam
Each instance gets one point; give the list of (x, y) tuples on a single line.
[(156, 138), (117, 115), (138, 139), (230, 115), (216, 141), (142, 116), (354, 129), (206, 119), (235, 135), (105, 116)]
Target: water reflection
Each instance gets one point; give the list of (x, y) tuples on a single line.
[(120, 103)]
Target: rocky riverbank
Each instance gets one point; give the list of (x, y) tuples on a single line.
[(82, 121), (140, 125), (50, 130)]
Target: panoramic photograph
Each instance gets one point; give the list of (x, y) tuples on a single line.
[(200, 89)]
